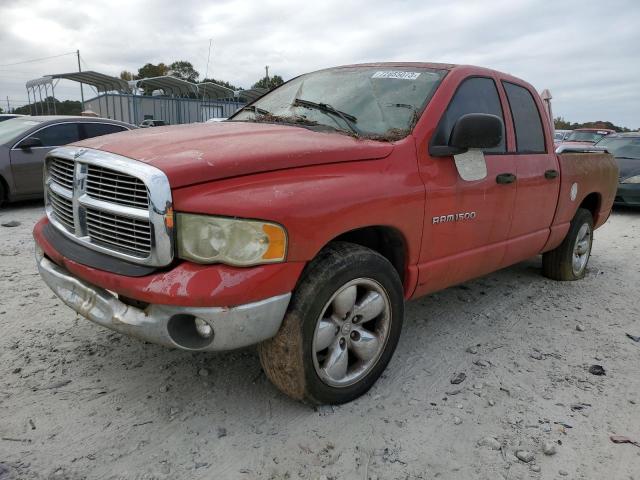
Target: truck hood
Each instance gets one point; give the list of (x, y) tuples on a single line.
[(190, 154)]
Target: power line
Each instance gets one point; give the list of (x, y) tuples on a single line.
[(36, 59)]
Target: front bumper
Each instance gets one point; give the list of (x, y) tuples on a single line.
[(628, 194), (168, 325)]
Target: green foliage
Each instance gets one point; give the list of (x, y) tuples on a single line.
[(562, 124), (269, 82), (127, 76), (150, 70), (184, 71), (67, 107)]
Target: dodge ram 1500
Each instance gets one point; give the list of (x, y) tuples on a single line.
[(304, 222)]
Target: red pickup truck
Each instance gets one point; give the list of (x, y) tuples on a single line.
[(304, 222)]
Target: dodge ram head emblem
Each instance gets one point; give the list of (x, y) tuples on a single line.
[(456, 217)]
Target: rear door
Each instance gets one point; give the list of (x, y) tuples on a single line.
[(27, 164), (466, 223), (537, 172)]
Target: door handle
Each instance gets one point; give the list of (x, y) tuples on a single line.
[(505, 178), (551, 174)]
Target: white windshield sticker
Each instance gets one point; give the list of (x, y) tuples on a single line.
[(396, 74)]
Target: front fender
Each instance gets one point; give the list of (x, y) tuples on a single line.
[(316, 204)]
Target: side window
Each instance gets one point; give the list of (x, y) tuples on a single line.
[(474, 95), (526, 119), (97, 129), (57, 135)]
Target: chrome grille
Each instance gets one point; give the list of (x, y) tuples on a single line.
[(111, 204), (61, 171), (62, 209), (123, 233), (111, 186)]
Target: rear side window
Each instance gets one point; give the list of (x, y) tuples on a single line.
[(526, 119), (474, 95), (98, 129), (57, 135)]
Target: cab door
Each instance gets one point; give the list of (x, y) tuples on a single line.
[(466, 223), (537, 172), (27, 163)]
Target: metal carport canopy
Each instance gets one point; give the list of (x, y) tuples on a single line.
[(100, 81), (252, 94), (169, 85), (215, 91), (39, 81)]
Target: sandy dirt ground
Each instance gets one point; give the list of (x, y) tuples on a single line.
[(78, 401)]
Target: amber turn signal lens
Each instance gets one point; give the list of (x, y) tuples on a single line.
[(277, 242)]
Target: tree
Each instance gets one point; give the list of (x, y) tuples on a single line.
[(269, 82), (562, 124), (127, 75), (150, 70), (184, 70), (67, 107)]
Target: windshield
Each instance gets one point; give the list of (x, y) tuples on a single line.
[(622, 147), (12, 128), (371, 102), (584, 136)]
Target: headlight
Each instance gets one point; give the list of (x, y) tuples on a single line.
[(206, 239), (635, 179)]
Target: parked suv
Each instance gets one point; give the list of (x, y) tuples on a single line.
[(26, 140)]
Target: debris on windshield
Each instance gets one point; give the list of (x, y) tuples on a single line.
[(295, 119), (391, 135)]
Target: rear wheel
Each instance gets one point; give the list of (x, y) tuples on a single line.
[(569, 260), (341, 328)]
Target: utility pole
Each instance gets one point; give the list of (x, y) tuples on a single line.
[(80, 70), (8, 106), (266, 69)]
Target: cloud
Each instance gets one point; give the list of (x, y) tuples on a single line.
[(584, 52)]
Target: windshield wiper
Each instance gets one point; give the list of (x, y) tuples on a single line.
[(349, 119)]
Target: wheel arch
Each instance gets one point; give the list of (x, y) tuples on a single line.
[(592, 203), (386, 240)]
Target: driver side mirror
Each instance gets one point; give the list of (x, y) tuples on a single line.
[(29, 143), (473, 130)]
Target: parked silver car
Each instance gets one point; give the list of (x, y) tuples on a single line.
[(25, 141)]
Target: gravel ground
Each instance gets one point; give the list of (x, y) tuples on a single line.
[(78, 401)]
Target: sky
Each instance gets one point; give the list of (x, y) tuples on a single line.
[(586, 52)]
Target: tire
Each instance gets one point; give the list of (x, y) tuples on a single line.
[(338, 292), (569, 260), (3, 193)]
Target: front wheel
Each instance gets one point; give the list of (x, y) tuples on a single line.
[(341, 328), (569, 260)]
